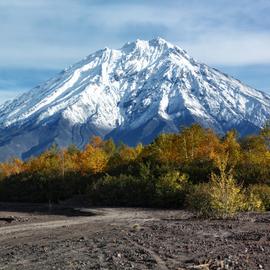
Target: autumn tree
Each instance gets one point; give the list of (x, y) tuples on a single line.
[(226, 196), (166, 149), (254, 166), (124, 155), (109, 147), (231, 149), (14, 166), (265, 134), (93, 159)]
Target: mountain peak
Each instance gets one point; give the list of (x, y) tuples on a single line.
[(145, 44), (158, 41), (131, 94)]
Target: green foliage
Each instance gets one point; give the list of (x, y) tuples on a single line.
[(253, 202), (226, 196), (147, 186), (261, 193), (252, 173), (213, 176), (198, 170), (170, 189), (221, 197), (41, 188), (198, 199), (265, 134), (121, 190)]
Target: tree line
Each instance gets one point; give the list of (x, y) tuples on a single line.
[(195, 168)]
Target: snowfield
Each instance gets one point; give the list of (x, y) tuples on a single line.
[(131, 94)]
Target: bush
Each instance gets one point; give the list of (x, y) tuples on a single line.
[(121, 190), (170, 189), (146, 189), (41, 188), (262, 193), (252, 173), (198, 199), (221, 197), (227, 198), (198, 170), (253, 202)]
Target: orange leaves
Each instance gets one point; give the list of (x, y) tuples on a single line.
[(202, 143), (55, 162), (97, 142), (166, 148), (15, 166), (93, 159), (128, 153), (47, 164), (192, 143), (228, 148)]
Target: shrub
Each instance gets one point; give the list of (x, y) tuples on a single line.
[(227, 197), (170, 189), (198, 170), (144, 189), (221, 197), (121, 190), (252, 201), (262, 193), (198, 199)]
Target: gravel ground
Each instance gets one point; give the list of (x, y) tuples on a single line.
[(33, 237)]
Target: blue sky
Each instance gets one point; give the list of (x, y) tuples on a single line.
[(38, 38)]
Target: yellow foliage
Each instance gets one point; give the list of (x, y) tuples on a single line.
[(226, 197), (192, 143), (167, 149), (15, 166), (47, 163), (96, 142), (221, 197), (262, 194), (172, 181), (253, 202), (92, 160)]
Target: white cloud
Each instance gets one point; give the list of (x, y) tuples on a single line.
[(231, 48), (47, 33), (54, 34)]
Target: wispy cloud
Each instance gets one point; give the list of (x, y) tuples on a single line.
[(15, 81), (55, 33), (232, 48), (49, 34)]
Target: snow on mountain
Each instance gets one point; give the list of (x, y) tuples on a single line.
[(131, 94)]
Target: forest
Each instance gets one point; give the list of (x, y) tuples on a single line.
[(194, 169)]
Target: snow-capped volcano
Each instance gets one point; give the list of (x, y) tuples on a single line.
[(131, 94)]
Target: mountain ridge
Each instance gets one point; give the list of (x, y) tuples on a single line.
[(131, 94)]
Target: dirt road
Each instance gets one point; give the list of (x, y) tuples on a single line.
[(130, 239)]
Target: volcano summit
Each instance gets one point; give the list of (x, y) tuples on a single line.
[(131, 94)]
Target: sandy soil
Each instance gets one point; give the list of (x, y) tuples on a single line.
[(35, 237)]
